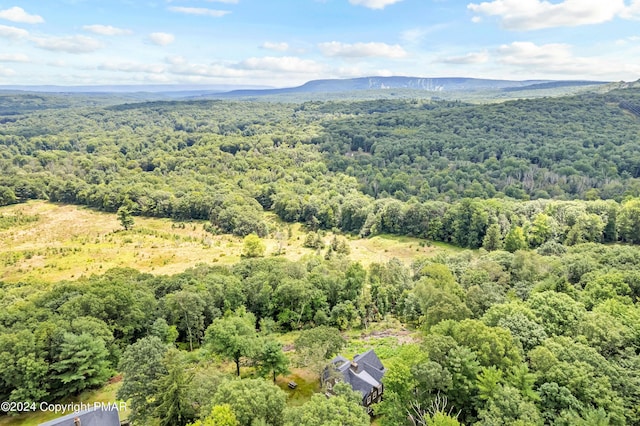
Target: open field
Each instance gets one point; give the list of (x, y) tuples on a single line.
[(52, 242)]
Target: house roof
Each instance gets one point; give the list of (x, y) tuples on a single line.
[(87, 418), (363, 373)]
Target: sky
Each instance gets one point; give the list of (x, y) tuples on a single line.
[(282, 43)]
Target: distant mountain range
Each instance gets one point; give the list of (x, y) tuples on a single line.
[(137, 88), (445, 84)]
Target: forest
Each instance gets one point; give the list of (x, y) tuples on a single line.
[(531, 318)]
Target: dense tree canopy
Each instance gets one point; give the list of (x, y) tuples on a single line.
[(537, 324)]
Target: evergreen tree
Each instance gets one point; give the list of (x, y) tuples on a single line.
[(81, 364), (174, 409)]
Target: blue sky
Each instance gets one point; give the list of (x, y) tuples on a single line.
[(288, 42)]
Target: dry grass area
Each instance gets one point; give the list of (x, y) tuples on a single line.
[(65, 242)]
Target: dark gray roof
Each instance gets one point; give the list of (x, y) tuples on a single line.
[(339, 360), (370, 358), (365, 376), (371, 364), (87, 418)]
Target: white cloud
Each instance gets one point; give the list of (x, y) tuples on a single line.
[(627, 40), (161, 39), (58, 63), (527, 53), (632, 11), (470, 58), (14, 57), (215, 1), (6, 72), (374, 4), (107, 30), (202, 70), (416, 35), (361, 50), (538, 14), (18, 14), (199, 11), (281, 64), (279, 47), (557, 60), (133, 67), (12, 32), (70, 44), (176, 60)]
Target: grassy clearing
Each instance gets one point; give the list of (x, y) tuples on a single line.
[(64, 242), (308, 384)]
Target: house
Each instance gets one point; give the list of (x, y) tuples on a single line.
[(364, 374), (98, 417)]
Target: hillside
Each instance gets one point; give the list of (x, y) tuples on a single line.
[(191, 258), (186, 160), (377, 87)]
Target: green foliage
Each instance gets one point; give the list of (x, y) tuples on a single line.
[(574, 377), (515, 240), (493, 346), (313, 240), (7, 196), (252, 399), (221, 415), (541, 230), (18, 219), (493, 238), (125, 216), (186, 309), (439, 171), (558, 313), (163, 331), (174, 408), (233, 337), (316, 345), (142, 366), (577, 328), (81, 363), (253, 246), (342, 409), (629, 221), (438, 303), (271, 359)]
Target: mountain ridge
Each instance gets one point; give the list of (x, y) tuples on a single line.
[(435, 84), (428, 84)]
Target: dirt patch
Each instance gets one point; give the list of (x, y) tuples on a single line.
[(115, 379), (403, 335)]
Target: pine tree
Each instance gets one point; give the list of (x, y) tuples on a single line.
[(174, 409)]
